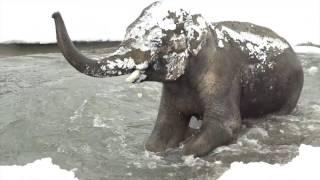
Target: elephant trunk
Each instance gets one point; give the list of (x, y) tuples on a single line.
[(114, 65)]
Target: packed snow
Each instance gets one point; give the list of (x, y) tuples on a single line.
[(42, 169), (304, 166), (30, 21)]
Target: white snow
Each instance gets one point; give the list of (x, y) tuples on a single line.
[(304, 166), (125, 63), (312, 70), (192, 161), (30, 21), (220, 43), (258, 46), (154, 23), (307, 49), (42, 169)]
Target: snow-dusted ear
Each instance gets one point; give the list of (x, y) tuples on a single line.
[(188, 38), (197, 30), (175, 65)]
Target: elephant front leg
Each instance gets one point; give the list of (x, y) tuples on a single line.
[(218, 128), (169, 130)]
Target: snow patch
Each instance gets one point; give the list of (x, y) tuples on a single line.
[(147, 30), (304, 166), (307, 49), (176, 64), (152, 156), (257, 46), (191, 161), (220, 44), (312, 70), (42, 169), (126, 63)]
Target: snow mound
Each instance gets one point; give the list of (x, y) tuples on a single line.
[(42, 169), (304, 166), (307, 49)]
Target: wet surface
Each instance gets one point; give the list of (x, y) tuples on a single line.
[(97, 127)]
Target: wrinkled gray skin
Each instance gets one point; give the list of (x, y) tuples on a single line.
[(219, 85)]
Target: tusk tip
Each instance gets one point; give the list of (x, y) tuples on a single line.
[(133, 76)]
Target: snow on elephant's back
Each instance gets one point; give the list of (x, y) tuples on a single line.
[(257, 42)]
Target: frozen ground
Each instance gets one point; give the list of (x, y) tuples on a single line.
[(97, 127)]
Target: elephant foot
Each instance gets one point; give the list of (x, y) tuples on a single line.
[(155, 144), (159, 141), (202, 143)]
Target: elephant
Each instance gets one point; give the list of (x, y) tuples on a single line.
[(220, 73)]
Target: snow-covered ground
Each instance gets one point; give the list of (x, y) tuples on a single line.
[(30, 21), (42, 169), (307, 49), (304, 166)]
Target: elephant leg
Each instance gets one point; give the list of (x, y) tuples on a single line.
[(169, 130), (220, 123), (213, 133)]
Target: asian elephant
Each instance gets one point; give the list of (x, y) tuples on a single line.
[(218, 72)]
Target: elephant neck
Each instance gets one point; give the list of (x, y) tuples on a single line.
[(183, 96)]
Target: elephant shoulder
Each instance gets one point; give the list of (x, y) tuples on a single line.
[(246, 27), (256, 42)]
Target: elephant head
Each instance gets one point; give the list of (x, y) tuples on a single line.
[(156, 46)]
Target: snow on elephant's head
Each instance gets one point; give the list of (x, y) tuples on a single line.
[(165, 36)]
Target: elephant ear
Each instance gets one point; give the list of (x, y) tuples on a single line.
[(196, 31), (188, 37), (175, 65)]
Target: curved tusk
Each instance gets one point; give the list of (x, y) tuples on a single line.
[(134, 76)]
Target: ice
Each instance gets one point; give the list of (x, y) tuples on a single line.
[(304, 166), (42, 169)]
